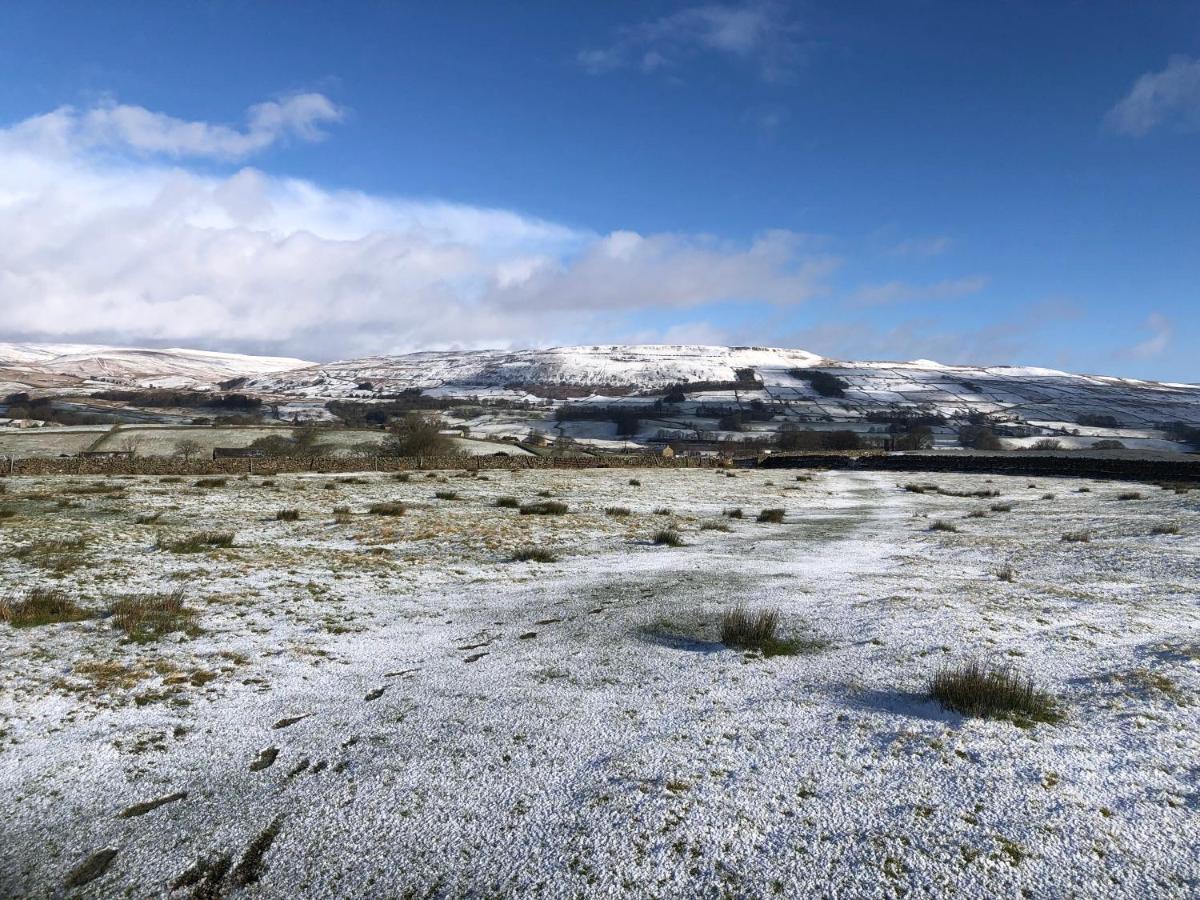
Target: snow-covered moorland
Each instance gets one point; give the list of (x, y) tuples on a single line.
[(364, 704)]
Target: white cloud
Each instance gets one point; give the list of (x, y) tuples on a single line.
[(108, 246), (121, 127), (1172, 95), (1161, 332), (759, 33), (904, 292)]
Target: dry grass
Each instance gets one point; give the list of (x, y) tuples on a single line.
[(59, 555), (942, 525), (1001, 507), (1167, 528), (746, 628), (534, 554), (667, 537), (1006, 573), (1129, 495), (387, 508), (714, 525), (40, 606), (446, 495), (616, 511), (210, 482), (543, 508), (734, 513), (976, 688), (288, 515), (195, 543), (507, 502), (774, 516), (147, 617), (1077, 537)]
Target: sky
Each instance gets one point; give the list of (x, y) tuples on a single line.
[(993, 183)]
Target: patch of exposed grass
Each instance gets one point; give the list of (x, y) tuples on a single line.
[(387, 508), (543, 508), (446, 495), (288, 515), (667, 537), (147, 518), (40, 606), (774, 516), (942, 525), (84, 490), (633, 482), (714, 525), (976, 688), (210, 482), (1001, 507), (1129, 495), (915, 487), (195, 543), (402, 476), (1006, 573), (534, 554), (1077, 537), (147, 617), (57, 554), (7, 512), (617, 511), (1166, 528), (170, 479), (662, 511), (758, 629), (982, 493), (507, 502), (734, 513)]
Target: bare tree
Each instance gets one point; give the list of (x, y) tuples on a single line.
[(188, 449)]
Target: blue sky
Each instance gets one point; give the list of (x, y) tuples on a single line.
[(983, 182)]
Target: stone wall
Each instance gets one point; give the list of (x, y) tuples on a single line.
[(328, 464)]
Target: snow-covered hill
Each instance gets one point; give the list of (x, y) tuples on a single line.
[(136, 367)]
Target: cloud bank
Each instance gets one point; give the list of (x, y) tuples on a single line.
[(105, 235)]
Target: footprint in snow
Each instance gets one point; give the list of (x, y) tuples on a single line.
[(291, 720), (266, 759)]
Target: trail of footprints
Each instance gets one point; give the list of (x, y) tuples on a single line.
[(214, 875)]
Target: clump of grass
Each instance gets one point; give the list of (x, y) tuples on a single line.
[(352, 479), (714, 525), (977, 514), (1077, 537), (993, 691), (57, 554), (774, 516), (545, 493), (617, 511), (195, 543), (147, 518), (507, 502), (667, 537), (90, 489), (1083, 490), (734, 513), (146, 617), (1167, 528), (40, 606), (402, 476), (942, 525), (749, 629), (170, 479), (210, 482), (387, 508), (914, 487), (633, 482), (1006, 573), (267, 482), (534, 554), (982, 493), (543, 508), (1047, 496), (662, 511), (1129, 495), (7, 512), (1001, 507), (287, 515), (446, 495)]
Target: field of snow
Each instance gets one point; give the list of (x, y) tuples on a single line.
[(373, 705)]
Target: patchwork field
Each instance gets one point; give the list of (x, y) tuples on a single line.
[(348, 687)]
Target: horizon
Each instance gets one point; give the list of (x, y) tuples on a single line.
[(885, 182)]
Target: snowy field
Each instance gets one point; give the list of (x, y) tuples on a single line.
[(368, 705)]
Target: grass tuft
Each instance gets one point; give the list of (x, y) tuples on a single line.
[(40, 606), (1129, 495), (775, 516), (543, 508), (387, 508), (446, 495), (734, 513), (210, 482), (147, 617), (667, 537), (195, 543), (942, 525), (1167, 528), (616, 511), (993, 691), (714, 525), (1077, 537), (507, 502), (534, 554), (288, 515)]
